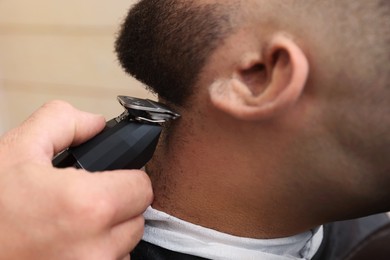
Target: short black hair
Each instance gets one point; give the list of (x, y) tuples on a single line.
[(166, 43)]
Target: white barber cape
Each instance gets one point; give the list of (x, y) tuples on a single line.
[(177, 235)]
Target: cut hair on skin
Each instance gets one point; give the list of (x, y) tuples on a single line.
[(169, 61)]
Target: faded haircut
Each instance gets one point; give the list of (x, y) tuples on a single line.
[(166, 43)]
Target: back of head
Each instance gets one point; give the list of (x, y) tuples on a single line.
[(166, 44)]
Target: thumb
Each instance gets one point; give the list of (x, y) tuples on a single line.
[(52, 128)]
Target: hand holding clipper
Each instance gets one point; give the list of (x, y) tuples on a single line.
[(127, 142)]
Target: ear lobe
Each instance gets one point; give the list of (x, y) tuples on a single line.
[(266, 84)]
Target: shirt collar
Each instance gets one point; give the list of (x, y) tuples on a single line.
[(180, 236)]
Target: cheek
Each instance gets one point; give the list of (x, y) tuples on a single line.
[(362, 128)]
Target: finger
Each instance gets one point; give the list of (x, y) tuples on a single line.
[(61, 125), (126, 236), (128, 193), (127, 257), (54, 127)]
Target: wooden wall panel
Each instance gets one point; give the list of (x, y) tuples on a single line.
[(94, 13), (86, 60), (51, 49)]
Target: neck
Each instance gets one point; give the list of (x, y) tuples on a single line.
[(203, 175)]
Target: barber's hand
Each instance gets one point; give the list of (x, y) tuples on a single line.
[(47, 213)]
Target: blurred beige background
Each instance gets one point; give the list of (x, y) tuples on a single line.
[(51, 49)]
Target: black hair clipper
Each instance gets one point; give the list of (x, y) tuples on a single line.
[(127, 142)]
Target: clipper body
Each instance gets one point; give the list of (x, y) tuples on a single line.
[(127, 142)]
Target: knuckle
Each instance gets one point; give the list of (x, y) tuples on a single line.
[(95, 210), (138, 228), (56, 108), (144, 185), (140, 224), (139, 221), (134, 232), (58, 104), (102, 211), (60, 109)]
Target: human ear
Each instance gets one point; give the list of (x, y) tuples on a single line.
[(266, 82)]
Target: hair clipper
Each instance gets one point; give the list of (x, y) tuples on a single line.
[(127, 142)]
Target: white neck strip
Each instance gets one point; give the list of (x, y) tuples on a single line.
[(177, 235)]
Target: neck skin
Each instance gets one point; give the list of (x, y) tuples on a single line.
[(248, 179)]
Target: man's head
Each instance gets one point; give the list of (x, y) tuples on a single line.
[(294, 93), (165, 44)]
